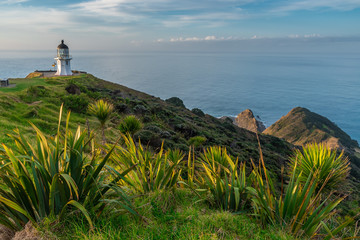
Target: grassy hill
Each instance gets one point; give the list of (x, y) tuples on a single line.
[(175, 214), (37, 100), (301, 126)]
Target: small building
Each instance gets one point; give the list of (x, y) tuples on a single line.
[(63, 60), (4, 82)]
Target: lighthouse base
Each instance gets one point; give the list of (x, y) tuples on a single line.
[(63, 67)]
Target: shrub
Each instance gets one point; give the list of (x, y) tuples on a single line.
[(147, 137), (121, 107), (42, 179), (197, 141), (76, 103), (35, 92), (175, 101), (140, 109), (198, 112), (130, 124)]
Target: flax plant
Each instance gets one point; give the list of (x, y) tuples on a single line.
[(217, 158), (41, 178), (225, 179), (317, 158), (300, 209), (153, 171)]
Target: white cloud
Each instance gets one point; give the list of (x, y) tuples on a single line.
[(313, 35), (34, 19), (294, 36), (341, 5), (198, 39), (210, 38), (107, 8), (194, 39), (9, 2)]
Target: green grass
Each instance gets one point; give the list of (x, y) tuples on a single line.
[(177, 215), (15, 112), (170, 215), (23, 83)]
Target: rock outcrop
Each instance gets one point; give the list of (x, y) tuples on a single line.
[(247, 120), (301, 126), (28, 233), (6, 233)]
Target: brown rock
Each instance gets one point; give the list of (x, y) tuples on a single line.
[(35, 75), (73, 89), (28, 233), (6, 233), (247, 120)]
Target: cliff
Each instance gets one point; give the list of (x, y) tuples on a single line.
[(247, 120), (301, 126)]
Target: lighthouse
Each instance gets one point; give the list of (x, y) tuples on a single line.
[(63, 60)]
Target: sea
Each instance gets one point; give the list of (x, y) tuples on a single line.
[(224, 84)]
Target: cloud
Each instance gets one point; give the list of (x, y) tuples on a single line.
[(199, 39), (170, 13), (193, 39), (340, 5), (192, 21), (9, 2), (33, 19), (313, 35)]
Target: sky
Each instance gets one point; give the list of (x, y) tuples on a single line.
[(108, 25)]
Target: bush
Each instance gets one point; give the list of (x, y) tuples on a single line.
[(130, 124), (140, 109), (148, 138), (76, 103), (197, 141), (35, 92), (198, 112), (175, 101), (121, 107)]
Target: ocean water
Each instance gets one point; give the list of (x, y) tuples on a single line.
[(224, 84)]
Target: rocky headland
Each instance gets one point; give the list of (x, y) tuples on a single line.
[(301, 126)]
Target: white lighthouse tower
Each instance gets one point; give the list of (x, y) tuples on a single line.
[(63, 60)]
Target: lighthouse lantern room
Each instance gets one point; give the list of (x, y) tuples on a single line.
[(63, 60)]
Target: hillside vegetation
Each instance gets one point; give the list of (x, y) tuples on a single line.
[(126, 165), (37, 100)]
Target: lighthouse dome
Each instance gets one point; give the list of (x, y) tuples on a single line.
[(63, 50), (62, 45)]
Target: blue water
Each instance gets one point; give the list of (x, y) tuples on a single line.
[(225, 83)]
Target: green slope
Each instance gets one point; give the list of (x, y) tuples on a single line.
[(38, 100)]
